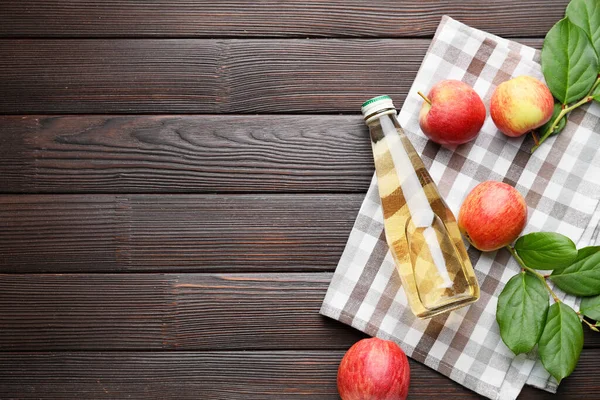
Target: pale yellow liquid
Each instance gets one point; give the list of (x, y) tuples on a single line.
[(420, 229)]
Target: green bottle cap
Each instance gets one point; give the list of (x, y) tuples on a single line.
[(374, 99), (376, 104)]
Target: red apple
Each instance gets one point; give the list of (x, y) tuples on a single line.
[(374, 369), (520, 105), (492, 215), (452, 113)]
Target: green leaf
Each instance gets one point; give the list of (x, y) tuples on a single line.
[(582, 278), (586, 15), (521, 312), (561, 342), (596, 92), (561, 124), (590, 307), (569, 62), (546, 250)]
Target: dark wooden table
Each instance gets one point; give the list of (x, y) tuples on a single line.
[(178, 181)]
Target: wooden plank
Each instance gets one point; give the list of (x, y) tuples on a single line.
[(168, 311), (95, 233), (171, 311), (232, 375), (185, 375), (183, 153), (124, 18), (105, 75), (203, 75)]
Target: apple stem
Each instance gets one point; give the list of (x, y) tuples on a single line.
[(424, 97)]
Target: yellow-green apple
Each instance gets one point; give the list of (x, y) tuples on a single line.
[(492, 215), (520, 105), (374, 369), (452, 113)]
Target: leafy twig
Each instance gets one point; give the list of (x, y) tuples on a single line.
[(589, 324), (533, 272), (564, 112)]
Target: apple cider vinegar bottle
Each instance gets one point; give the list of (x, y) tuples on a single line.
[(420, 229)]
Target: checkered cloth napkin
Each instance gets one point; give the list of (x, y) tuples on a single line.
[(561, 185)]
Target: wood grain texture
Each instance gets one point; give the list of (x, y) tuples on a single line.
[(103, 75), (168, 311), (203, 75), (167, 331), (231, 375), (234, 18), (183, 153), (94, 233), (172, 311), (186, 375)]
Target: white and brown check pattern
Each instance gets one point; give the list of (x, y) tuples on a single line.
[(560, 182)]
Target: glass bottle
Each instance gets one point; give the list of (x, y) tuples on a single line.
[(420, 229)]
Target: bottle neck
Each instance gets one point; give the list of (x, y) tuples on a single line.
[(372, 118)]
